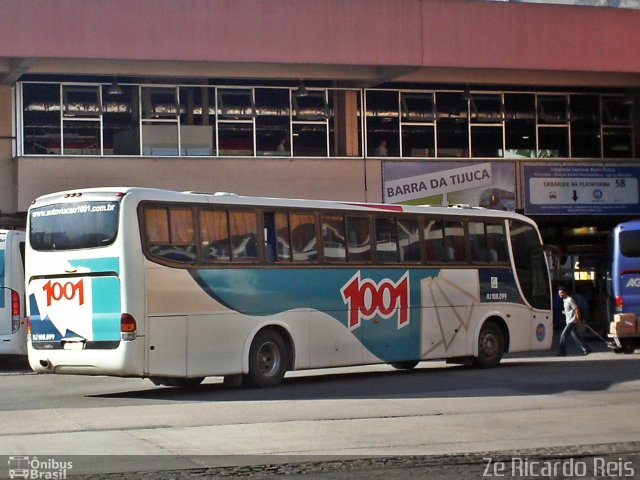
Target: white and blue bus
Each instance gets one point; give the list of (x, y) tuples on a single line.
[(13, 325), (176, 287)]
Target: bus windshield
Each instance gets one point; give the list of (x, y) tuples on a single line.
[(630, 243), (74, 226), (530, 263)]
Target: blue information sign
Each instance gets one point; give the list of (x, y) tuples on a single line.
[(581, 189)]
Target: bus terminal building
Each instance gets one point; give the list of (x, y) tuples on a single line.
[(528, 107)]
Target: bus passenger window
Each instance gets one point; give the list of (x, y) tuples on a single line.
[(214, 235), (183, 246), (156, 223), (497, 243), (334, 244), (281, 240), (408, 240), (244, 235), (303, 237), (454, 241), (386, 240), (434, 242), (170, 235), (478, 240), (358, 239)]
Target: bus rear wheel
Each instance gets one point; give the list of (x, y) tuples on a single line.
[(269, 360), (490, 346)]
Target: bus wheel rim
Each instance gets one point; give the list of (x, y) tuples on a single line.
[(489, 344), (268, 358)]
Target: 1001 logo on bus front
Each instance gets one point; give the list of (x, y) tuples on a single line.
[(366, 299)]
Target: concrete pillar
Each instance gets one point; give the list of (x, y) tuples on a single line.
[(8, 193)]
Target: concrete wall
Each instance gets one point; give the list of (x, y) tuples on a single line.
[(467, 34), (331, 179), (412, 33), (289, 31)]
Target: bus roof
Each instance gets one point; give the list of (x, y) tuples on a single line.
[(227, 198), (629, 225)]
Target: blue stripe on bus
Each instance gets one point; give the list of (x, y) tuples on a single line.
[(107, 264), (262, 292), (271, 291)]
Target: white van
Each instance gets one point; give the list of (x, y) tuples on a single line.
[(13, 325)]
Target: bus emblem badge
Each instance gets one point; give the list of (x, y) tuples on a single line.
[(540, 332)]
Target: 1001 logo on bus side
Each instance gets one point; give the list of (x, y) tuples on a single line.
[(367, 299)]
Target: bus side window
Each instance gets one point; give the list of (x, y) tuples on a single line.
[(454, 241), (386, 240), (303, 237), (183, 247), (478, 240), (334, 243), (496, 242), (276, 237), (358, 239), (170, 233), (156, 222), (434, 242), (243, 227), (214, 235), (409, 240), (269, 236)]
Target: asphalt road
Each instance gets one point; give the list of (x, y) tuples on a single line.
[(437, 421)]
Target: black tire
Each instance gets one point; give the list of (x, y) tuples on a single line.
[(269, 360), (490, 346), (177, 381), (405, 365), (628, 346)]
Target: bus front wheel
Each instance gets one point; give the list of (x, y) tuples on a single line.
[(490, 346), (268, 360)]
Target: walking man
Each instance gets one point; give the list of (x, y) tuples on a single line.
[(571, 314)]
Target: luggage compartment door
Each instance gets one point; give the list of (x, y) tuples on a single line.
[(166, 348)]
